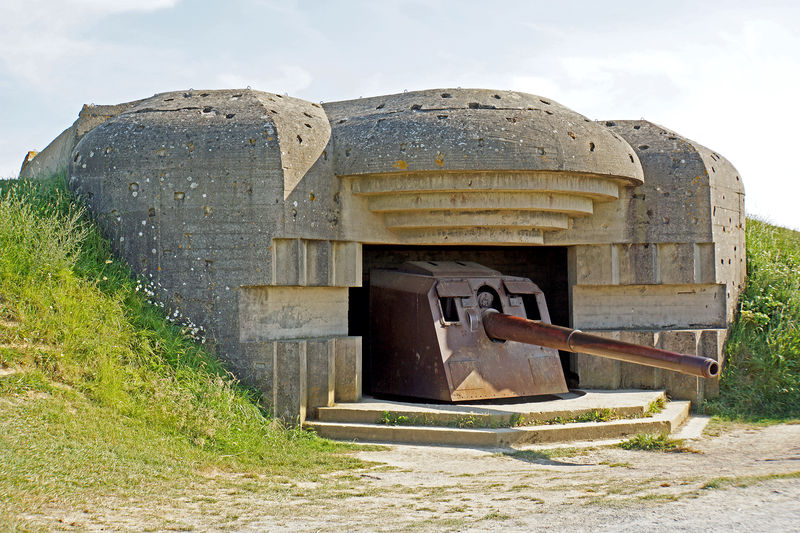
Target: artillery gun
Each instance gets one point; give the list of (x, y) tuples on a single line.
[(454, 331)]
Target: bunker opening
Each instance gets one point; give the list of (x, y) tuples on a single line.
[(545, 266), (438, 330)]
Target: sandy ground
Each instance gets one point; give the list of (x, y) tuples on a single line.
[(743, 478)]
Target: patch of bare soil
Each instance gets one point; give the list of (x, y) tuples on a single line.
[(744, 478)]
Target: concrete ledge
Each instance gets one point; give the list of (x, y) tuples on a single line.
[(369, 410), (406, 434), (316, 263), (667, 421)]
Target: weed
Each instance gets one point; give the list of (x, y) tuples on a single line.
[(660, 497), (656, 406), (649, 442), (394, 419), (495, 515), (616, 465), (461, 421), (745, 481), (545, 454), (470, 421), (481, 421), (533, 499), (596, 415), (435, 524), (761, 376)]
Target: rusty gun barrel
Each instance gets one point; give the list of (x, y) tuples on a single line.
[(500, 326)]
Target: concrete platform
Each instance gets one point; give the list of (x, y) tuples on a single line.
[(501, 413), (499, 425)]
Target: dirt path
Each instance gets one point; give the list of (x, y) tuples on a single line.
[(742, 479)]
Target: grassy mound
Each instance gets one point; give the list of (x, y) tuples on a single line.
[(98, 391), (761, 378)]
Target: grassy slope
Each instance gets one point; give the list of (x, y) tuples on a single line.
[(98, 392), (761, 379)]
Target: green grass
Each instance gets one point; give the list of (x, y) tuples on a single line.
[(761, 375), (514, 420), (648, 442), (746, 481), (596, 415), (496, 515), (545, 454), (656, 406), (100, 392), (606, 415), (388, 418)]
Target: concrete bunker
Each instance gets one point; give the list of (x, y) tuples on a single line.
[(257, 216)]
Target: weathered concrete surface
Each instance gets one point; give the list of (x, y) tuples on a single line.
[(471, 166), (648, 306), (55, 158), (292, 312), (321, 377), (700, 201), (473, 129), (368, 410), (298, 376), (249, 210), (667, 255), (665, 422)]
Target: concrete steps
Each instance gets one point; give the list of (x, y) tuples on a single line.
[(499, 425)]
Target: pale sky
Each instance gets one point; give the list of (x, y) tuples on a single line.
[(723, 73)]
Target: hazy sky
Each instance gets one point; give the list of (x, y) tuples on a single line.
[(725, 74)]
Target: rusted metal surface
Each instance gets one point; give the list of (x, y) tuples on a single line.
[(427, 339), (507, 327), (455, 331)]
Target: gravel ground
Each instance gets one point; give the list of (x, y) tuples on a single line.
[(737, 479)]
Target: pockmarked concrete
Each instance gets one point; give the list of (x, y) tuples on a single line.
[(254, 215)]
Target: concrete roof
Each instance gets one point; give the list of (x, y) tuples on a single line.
[(473, 129)]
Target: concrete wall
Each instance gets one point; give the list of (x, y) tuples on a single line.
[(471, 166), (56, 156), (249, 211), (672, 273)]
